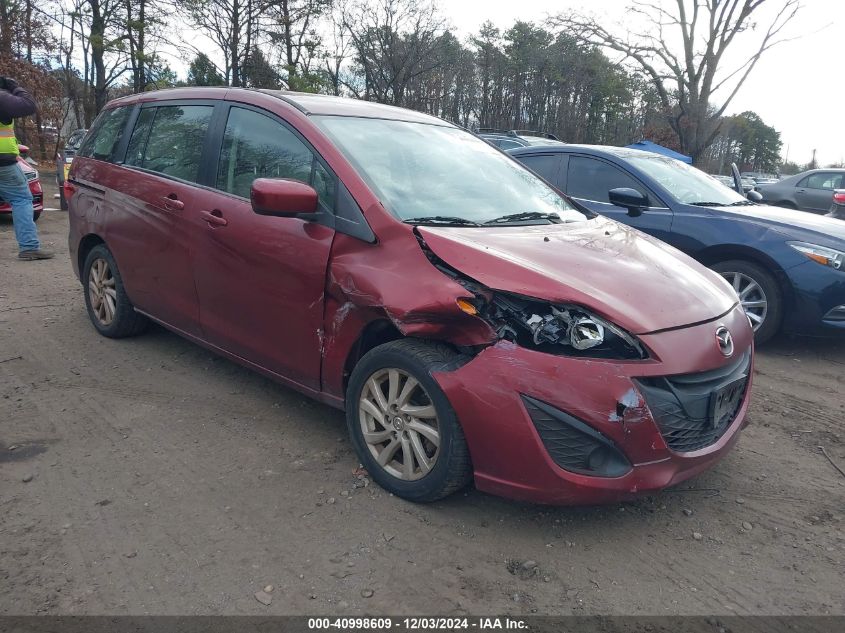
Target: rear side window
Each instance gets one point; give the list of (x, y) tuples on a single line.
[(257, 146), (591, 179), (169, 140), (822, 181), (103, 140)]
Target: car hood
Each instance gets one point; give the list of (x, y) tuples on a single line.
[(784, 219), (626, 276)]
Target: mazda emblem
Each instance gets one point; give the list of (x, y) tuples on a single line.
[(725, 341)]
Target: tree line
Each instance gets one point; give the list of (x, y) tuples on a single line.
[(570, 75)]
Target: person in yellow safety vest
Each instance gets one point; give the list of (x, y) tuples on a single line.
[(16, 102)]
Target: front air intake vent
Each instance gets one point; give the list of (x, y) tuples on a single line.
[(574, 445)]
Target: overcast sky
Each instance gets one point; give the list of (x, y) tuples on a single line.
[(797, 87)]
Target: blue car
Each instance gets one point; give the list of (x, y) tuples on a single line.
[(787, 267)]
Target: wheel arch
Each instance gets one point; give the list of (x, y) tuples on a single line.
[(375, 333), (724, 252), (86, 244)]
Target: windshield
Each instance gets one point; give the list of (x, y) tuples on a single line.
[(686, 183), (422, 171)]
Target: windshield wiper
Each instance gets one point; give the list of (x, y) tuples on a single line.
[(526, 215), (441, 219), (738, 203)]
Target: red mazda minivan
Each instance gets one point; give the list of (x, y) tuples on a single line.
[(473, 322)]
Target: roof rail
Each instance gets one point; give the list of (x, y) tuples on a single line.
[(547, 135)]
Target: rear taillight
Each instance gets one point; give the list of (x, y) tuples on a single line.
[(839, 196), (69, 190)]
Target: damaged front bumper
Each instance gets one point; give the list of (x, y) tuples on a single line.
[(564, 430)]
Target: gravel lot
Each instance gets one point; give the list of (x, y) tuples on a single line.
[(152, 477)]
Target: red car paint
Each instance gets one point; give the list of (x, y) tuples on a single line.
[(34, 187), (562, 263), (297, 300), (485, 393)]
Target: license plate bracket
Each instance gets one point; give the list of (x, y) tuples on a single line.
[(725, 401)]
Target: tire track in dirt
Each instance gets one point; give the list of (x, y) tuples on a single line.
[(236, 474)]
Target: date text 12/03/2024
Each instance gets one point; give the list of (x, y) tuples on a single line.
[(417, 623)]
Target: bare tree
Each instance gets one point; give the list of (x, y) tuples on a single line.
[(688, 77), (106, 46), (291, 24), (233, 25), (26, 47), (394, 42), (337, 48)]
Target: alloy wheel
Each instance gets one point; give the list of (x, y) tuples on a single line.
[(399, 424), (101, 291), (751, 296)]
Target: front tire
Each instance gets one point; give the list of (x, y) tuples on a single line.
[(759, 294), (109, 308), (401, 424)]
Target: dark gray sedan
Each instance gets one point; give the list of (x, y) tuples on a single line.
[(808, 191), (837, 209)]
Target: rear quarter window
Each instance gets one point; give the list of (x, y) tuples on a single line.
[(104, 138)]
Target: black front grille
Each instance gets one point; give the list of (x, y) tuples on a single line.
[(683, 405), (572, 444)]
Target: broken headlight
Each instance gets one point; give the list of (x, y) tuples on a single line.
[(559, 329)]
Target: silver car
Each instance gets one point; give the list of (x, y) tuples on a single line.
[(808, 191)]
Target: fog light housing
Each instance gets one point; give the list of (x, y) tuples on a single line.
[(574, 445)]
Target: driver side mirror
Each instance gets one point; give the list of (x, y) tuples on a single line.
[(283, 198), (754, 196), (630, 199)]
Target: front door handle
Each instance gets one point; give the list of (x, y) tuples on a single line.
[(214, 218), (172, 203)]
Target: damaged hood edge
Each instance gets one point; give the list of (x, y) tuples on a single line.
[(635, 281)]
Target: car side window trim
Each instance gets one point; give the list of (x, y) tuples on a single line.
[(88, 146), (143, 142), (346, 216), (215, 104), (563, 171), (653, 197), (217, 130), (123, 143), (553, 178)]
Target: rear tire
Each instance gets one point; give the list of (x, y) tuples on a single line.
[(35, 216), (767, 290), (109, 308), (432, 430)]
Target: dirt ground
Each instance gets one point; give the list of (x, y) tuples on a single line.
[(151, 477)]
